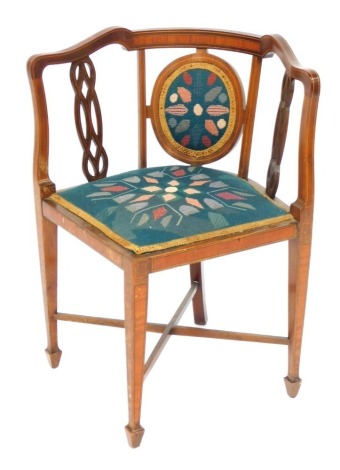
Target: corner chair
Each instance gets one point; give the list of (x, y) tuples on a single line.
[(149, 219)]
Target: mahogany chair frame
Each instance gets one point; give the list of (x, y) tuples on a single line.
[(137, 268)]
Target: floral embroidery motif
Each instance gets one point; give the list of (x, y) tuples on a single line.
[(186, 186), (159, 205), (197, 108)]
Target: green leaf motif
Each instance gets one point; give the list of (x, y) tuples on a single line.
[(100, 194), (166, 221), (212, 203), (218, 184), (124, 198), (136, 207), (143, 220), (156, 174), (244, 205), (243, 193), (188, 210), (200, 176), (132, 179), (212, 94), (106, 213), (218, 220), (183, 126)]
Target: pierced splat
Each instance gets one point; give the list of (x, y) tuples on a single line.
[(280, 134), (88, 119)]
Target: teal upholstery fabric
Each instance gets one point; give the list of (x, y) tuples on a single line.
[(197, 109), (155, 208)]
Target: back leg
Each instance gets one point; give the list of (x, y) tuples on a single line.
[(299, 259), (198, 302)]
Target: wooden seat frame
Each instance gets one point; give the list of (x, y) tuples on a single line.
[(137, 268)]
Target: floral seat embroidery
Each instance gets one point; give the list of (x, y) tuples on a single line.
[(154, 208)]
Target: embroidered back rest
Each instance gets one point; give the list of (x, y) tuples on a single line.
[(197, 108)]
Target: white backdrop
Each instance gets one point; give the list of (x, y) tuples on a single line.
[(207, 404)]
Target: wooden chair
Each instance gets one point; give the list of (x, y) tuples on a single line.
[(151, 219)]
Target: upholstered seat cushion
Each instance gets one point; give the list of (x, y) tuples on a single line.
[(155, 208)]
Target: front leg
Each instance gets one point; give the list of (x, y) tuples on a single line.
[(136, 297), (47, 237), (299, 259)]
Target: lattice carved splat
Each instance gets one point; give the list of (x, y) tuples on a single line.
[(88, 119), (280, 134)]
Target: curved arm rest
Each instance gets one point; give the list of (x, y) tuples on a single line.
[(311, 83)]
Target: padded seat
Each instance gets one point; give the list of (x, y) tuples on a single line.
[(155, 208)]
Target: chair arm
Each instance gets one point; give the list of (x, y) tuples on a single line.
[(311, 83)]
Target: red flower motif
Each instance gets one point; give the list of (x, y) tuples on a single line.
[(228, 196), (187, 78), (211, 79), (185, 140), (115, 189), (159, 212), (178, 173), (206, 141)]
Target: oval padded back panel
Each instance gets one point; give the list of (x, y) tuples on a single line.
[(197, 108)]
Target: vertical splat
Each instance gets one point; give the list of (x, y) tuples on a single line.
[(249, 117), (88, 119), (142, 109), (280, 134)]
